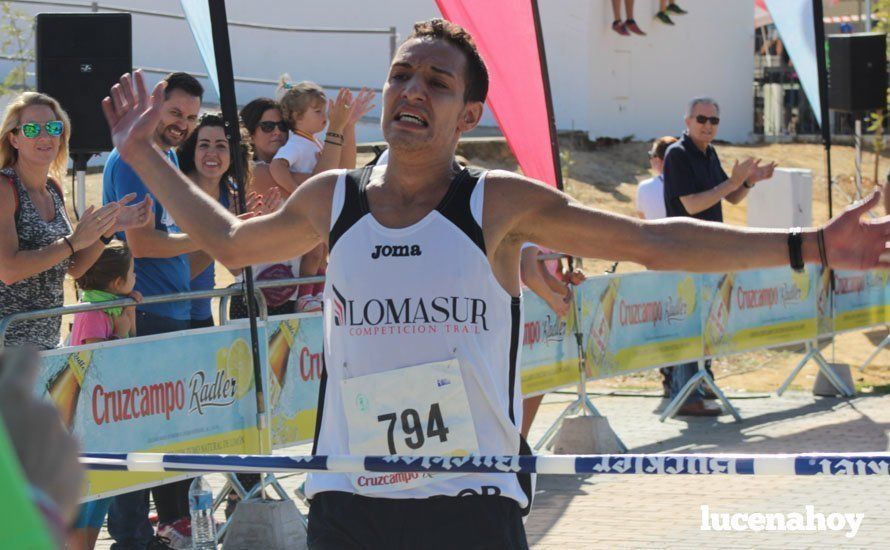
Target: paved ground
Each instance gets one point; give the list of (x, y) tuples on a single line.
[(665, 511)]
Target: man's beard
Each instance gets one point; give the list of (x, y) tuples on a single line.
[(164, 138), (406, 143)]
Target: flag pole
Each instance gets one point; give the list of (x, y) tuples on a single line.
[(822, 70), (225, 74), (548, 97)]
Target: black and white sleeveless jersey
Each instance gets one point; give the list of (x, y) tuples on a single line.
[(396, 298)]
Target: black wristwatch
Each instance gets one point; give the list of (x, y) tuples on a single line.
[(106, 240), (745, 183), (795, 249)]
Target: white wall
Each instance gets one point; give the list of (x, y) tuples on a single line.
[(640, 85), (603, 83)]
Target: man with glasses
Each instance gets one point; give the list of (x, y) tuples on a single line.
[(695, 185)]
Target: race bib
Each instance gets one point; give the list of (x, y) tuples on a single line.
[(419, 410)]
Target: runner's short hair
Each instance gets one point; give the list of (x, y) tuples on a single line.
[(477, 72)]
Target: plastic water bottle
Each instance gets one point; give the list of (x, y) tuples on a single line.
[(201, 508)]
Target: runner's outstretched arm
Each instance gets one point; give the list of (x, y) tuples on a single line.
[(133, 115), (540, 214)]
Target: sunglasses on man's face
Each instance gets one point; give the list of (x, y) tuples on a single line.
[(701, 119), (267, 126), (32, 129)]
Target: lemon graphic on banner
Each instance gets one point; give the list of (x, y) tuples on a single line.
[(802, 281), (687, 294), (238, 364), (222, 358)]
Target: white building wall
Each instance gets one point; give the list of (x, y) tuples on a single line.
[(603, 83), (639, 85)]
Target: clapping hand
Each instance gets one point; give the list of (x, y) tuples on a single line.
[(133, 216), (339, 111), (271, 201), (93, 224), (253, 202), (260, 205), (741, 171), (361, 106), (760, 173)]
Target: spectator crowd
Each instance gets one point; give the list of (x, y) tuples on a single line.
[(132, 247)]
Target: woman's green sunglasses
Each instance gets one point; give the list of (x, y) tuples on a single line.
[(32, 129)]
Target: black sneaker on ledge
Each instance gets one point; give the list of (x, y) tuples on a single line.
[(664, 18), (675, 9)]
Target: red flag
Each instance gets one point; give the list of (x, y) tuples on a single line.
[(505, 33)]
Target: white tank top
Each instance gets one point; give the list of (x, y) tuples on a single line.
[(396, 298)]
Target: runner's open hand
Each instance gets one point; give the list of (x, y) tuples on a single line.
[(132, 113), (852, 242)]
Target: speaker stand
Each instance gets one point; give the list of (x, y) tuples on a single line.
[(857, 141), (79, 193)]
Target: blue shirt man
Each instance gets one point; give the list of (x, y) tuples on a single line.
[(154, 276)]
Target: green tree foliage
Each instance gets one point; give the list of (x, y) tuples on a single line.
[(16, 44)]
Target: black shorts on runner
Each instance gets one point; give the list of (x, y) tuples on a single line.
[(341, 521)]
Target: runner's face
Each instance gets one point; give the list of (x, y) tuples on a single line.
[(423, 98), (179, 116)]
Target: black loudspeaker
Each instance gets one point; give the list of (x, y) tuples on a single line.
[(79, 57), (857, 72)]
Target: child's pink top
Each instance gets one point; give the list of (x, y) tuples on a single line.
[(91, 325)]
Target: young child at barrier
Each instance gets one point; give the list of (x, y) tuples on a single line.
[(112, 277), (303, 106)]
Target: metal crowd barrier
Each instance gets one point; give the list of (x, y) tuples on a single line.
[(267, 480), (224, 294)]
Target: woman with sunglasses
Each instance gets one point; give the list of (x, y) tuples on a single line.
[(265, 125), (38, 243), (268, 132)]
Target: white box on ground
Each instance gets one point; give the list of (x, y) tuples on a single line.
[(785, 200)]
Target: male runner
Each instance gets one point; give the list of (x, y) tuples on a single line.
[(422, 311)]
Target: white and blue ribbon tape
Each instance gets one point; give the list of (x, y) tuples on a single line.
[(807, 464)]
